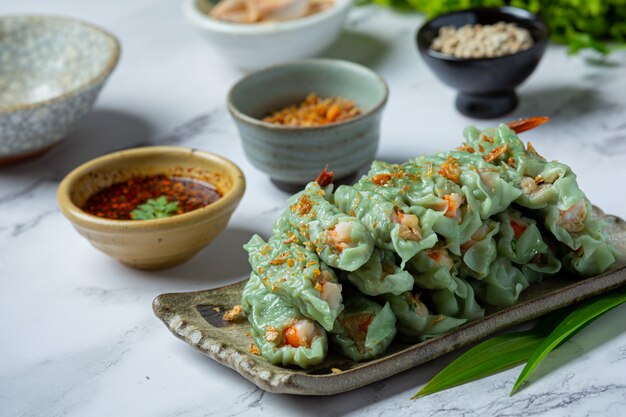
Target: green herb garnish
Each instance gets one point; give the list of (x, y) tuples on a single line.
[(155, 209), (507, 351)]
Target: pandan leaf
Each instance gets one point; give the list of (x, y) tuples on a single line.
[(491, 357), (573, 323)]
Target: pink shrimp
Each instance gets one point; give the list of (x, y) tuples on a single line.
[(339, 236), (300, 334), (329, 291)]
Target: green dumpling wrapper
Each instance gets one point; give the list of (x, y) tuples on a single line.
[(519, 239), (585, 235), (551, 188), (554, 185), (480, 251), (594, 258), (434, 269), (340, 240), (542, 183), (570, 224), (503, 149), (542, 265), (296, 275), (484, 142), (391, 228), (270, 317), (395, 183), (365, 329), (381, 275), (493, 194), (407, 184), (415, 321), (452, 305), (503, 285), (458, 232), (429, 187)]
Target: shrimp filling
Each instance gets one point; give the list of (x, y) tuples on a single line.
[(532, 186), (357, 326), (529, 186), (300, 334), (419, 307), (409, 225), (519, 227), (441, 257), (478, 235), (454, 206), (339, 236), (331, 293), (573, 219)]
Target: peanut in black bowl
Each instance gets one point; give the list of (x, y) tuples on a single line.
[(486, 86)]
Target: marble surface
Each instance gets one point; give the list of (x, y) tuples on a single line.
[(79, 337)]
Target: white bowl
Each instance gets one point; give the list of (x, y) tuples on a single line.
[(253, 46)]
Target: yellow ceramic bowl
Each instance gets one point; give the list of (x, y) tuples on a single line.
[(160, 243)]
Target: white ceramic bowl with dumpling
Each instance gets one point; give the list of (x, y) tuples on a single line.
[(251, 46)]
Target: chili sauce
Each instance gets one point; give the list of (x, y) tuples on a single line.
[(119, 200)]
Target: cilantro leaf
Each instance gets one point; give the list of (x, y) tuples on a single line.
[(158, 208)]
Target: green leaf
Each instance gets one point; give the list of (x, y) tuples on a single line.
[(495, 355), (155, 209), (491, 356), (578, 41), (507, 351), (574, 322)]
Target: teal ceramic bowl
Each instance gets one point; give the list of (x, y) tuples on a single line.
[(293, 156)]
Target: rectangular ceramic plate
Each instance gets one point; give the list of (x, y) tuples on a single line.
[(196, 318)]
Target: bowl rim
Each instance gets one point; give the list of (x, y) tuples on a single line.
[(102, 75), (76, 215), (203, 21), (338, 63), (516, 12)]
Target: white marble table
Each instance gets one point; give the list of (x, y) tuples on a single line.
[(78, 335)]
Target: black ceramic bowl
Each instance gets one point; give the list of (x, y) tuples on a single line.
[(486, 85)]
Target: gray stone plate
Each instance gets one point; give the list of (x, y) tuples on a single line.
[(196, 318)]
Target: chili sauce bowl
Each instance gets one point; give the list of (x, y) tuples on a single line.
[(250, 46), (159, 243), (51, 71), (293, 156), (486, 86)]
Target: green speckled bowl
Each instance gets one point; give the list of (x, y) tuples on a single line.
[(293, 156), (51, 71)]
